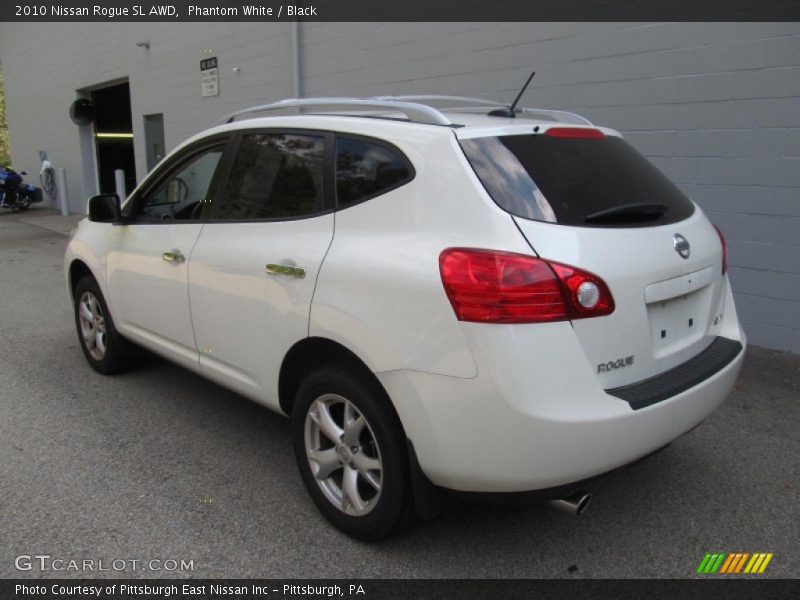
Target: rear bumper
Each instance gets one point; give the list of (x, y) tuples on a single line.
[(529, 497), (535, 420), (713, 359)]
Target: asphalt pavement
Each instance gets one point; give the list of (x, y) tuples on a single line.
[(160, 464)]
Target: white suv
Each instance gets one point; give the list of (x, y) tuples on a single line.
[(442, 300)]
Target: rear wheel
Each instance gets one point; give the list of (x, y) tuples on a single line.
[(351, 453), (104, 348)]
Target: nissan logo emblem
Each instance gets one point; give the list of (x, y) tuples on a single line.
[(681, 245)]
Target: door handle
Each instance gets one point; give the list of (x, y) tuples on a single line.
[(273, 269), (176, 256)]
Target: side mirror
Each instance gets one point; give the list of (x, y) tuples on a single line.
[(23, 172), (104, 208)]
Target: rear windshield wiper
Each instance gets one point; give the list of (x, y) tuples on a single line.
[(640, 211)]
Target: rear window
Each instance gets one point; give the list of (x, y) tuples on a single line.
[(588, 182)]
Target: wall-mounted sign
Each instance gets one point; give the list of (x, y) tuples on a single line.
[(209, 77)]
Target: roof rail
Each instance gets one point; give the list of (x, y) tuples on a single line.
[(482, 103), (424, 99), (416, 107), (417, 113)]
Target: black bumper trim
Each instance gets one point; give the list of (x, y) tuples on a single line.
[(713, 359)]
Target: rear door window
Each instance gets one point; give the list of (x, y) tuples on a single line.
[(592, 182), (274, 176)]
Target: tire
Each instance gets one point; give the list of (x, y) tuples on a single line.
[(362, 484), (23, 206), (104, 348)]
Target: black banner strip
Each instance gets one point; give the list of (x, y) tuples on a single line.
[(732, 588), (408, 10)]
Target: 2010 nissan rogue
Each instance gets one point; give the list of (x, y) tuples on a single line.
[(459, 298)]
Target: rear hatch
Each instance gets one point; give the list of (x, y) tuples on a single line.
[(586, 198)]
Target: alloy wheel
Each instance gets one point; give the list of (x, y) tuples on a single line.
[(93, 326), (343, 454)]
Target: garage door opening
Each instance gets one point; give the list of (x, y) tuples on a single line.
[(114, 136)]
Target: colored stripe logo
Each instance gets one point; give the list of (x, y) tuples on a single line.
[(731, 563)]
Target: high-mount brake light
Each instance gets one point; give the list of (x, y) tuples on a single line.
[(724, 243), (575, 133), (486, 286)]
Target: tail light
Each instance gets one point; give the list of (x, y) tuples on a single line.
[(724, 250), (486, 286)]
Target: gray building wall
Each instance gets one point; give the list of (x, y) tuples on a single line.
[(714, 105)]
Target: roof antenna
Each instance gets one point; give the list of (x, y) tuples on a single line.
[(509, 112)]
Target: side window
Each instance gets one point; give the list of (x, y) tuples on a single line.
[(181, 195), (274, 176), (365, 169)]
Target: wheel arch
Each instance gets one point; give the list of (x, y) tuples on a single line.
[(78, 269), (311, 353)]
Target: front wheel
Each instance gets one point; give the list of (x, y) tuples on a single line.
[(104, 348), (351, 453)]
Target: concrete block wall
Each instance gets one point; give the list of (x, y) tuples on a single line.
[(46, 64), (714, 105)]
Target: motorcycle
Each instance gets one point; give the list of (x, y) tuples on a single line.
[(14, 194)]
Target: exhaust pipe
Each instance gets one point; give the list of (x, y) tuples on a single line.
[(574, 504)]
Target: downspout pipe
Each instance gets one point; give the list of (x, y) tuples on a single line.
[(297, 92)]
